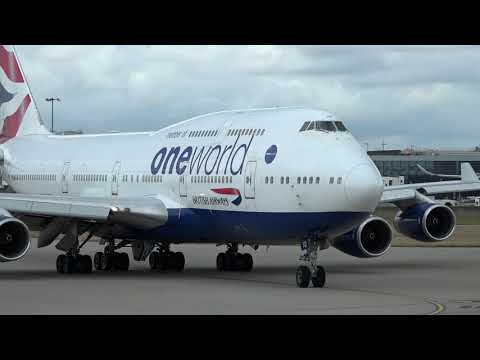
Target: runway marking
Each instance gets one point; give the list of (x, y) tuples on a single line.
[(439, 307)]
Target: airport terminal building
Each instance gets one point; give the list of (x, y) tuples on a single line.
[(394, 163)]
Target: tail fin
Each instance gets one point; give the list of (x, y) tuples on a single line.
[(468, 174), (18, 113)]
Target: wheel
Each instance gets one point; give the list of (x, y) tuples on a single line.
[(247, 262), (84, 264), (303, 276), (319, 279), (98, 261), (221, 262), (107, 262), (121, 261), (153, 260), (163, 260), (69, 264), (179, 261), (229, 262), (60, 263)]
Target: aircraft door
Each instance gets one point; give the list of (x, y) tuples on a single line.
[(250, 179), (115, 178), (183, 185), (64, 178)]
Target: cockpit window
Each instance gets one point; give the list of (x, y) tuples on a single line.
[(324, 126), (305, 126), (340, 126), (329, 126)]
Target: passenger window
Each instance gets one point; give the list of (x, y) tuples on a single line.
[(339, 180), (266, 180), (287, 180), (271, 179), (317, 180), (310, 180), (299, 180), (304, 179), (331, 180), (281, 180)]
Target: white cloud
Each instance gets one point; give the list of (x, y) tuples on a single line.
[(420, 95)]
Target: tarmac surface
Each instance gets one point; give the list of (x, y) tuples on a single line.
[(404, 281)]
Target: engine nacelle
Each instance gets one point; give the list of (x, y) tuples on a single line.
[(426, 222), (371, 239), (14, 238)]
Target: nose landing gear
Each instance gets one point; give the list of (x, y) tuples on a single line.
[(311, 272)]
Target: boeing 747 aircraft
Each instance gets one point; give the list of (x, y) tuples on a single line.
[(282, 176)]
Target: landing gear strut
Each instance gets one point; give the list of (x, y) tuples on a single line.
[(164, 259), (232, 260), (311, 272), (110, 259)]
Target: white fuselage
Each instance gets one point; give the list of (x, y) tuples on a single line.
[(252, 163)]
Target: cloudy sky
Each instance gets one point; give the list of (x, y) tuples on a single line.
[(425, 96)]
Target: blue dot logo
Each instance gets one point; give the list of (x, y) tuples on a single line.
[(271, 154)]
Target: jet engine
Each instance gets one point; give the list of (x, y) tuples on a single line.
[(14, 238), (426, 222), (371, 239)]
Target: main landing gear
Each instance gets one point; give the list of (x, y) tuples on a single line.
[(311, 272), (164, 259), (74, 263), (110, 259), (232, 260)]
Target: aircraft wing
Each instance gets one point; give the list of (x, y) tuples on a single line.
[(146, 212), (402, 195)]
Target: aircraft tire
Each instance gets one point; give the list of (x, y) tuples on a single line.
[(303, 276), (179, 261), (98, 261), (163, 260), (69, 264), (221, 261), (107, 262), (60, 263), (153, 260), (318, 280), (247, 262), (122, 261), (84, 264)]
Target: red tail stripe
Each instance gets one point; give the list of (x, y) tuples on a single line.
[(10, 65), (226, 191), (12, 122)]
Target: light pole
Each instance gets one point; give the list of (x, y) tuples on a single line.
[(52, 101)]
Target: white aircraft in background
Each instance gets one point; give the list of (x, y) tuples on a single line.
[(278, 176)]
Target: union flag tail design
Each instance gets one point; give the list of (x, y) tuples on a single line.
[(18, 113)]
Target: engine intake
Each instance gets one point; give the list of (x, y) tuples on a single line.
[(14, 239), (371, 239), (426, 222)]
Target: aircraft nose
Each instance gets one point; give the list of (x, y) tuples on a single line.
[(363, 187)]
